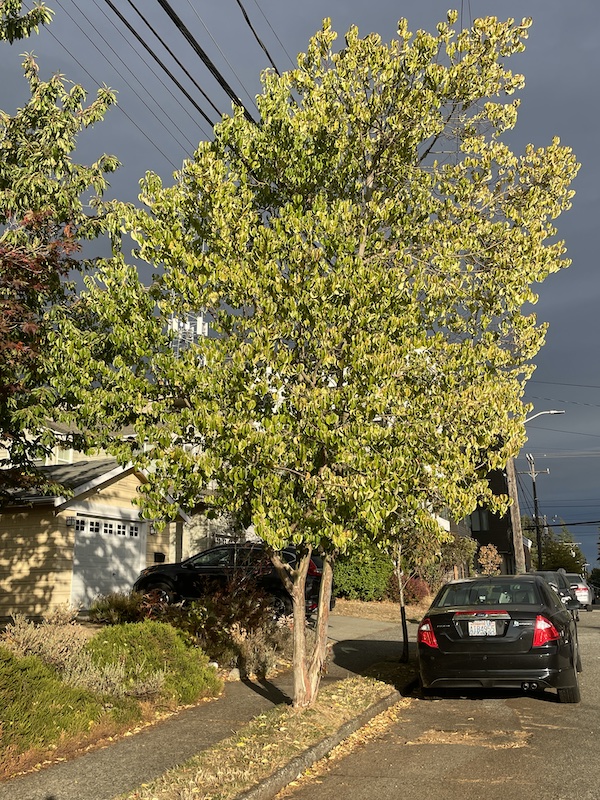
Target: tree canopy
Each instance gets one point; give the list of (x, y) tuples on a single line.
[(366, 256), (43, 221)]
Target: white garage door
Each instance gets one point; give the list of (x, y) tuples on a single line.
[(108, 557)]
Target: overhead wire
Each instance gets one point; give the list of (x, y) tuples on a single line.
[(223, 56), (574, 385), (292, 62), (568, 402), (163, 66), (256, 36), (117, 55), (206, 60), (119, 107), (156, 75)]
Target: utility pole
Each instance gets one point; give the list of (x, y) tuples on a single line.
[(536, 513), (515, 512), (515, 517)]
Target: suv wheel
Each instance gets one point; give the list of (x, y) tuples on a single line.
[(281, 606), (160, 593)]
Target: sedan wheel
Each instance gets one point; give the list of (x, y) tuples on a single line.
[(570, 694)]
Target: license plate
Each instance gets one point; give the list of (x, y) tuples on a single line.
[(482, 627)]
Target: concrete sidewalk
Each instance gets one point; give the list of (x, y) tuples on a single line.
[(126, 764)]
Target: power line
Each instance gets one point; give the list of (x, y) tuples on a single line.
[(109, 46), (216, 44), (184, 30), (292, 62), (119, 108), (161, 64), (152, 70), (575, 385), (256, 36), (571, 433), (569, 402)]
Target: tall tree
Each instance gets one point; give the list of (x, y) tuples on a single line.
[(364, 254), (42, 223)]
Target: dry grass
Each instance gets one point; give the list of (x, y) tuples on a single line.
[(384, 610), (266, 744)]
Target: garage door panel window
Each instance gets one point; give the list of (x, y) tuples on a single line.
[(83, 525)]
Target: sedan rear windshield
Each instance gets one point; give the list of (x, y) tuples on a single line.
[(474, 593)]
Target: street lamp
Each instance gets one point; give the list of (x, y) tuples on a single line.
[(540, 413), (515, 513)]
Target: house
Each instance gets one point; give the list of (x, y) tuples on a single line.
[(72, 548), (488, 528)]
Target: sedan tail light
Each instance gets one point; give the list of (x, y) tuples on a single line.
[(544, 632), (425, 634)]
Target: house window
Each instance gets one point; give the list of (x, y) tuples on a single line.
[(480, 520)]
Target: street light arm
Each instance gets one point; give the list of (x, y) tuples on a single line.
[(541, 413)]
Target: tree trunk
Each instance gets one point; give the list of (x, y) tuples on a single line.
[(400, 579), (308, 663)]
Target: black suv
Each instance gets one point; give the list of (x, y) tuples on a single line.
[(559, 582), (217, 568)]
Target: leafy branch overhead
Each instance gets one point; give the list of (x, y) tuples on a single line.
[(43, 221), (366, 256)]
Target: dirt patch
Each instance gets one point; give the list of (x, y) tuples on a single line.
[(496, 740)]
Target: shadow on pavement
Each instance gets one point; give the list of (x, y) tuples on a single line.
[(268, 690), (379, 659)]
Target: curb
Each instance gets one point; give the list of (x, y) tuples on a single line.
[(271, 786)]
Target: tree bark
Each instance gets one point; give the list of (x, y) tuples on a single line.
[(309, 663)]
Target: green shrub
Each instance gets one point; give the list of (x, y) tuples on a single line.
[(233, 624), (144, 649), (37, 709), (62, 646), (118, 608), (363, 575)]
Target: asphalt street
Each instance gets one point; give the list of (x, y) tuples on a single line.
[(492, 745)]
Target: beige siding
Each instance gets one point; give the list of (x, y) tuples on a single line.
[(160, 542), (119, 493), (36, 561), (36, 547)]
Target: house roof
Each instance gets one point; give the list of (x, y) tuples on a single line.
[(76, 478), (80, 479)]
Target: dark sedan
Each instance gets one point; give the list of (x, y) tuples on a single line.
[(224, 566), (500, 632)]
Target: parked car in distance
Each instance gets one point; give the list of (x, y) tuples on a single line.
[(507, 631), (214, 569), (558, 581), (583, 591)]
